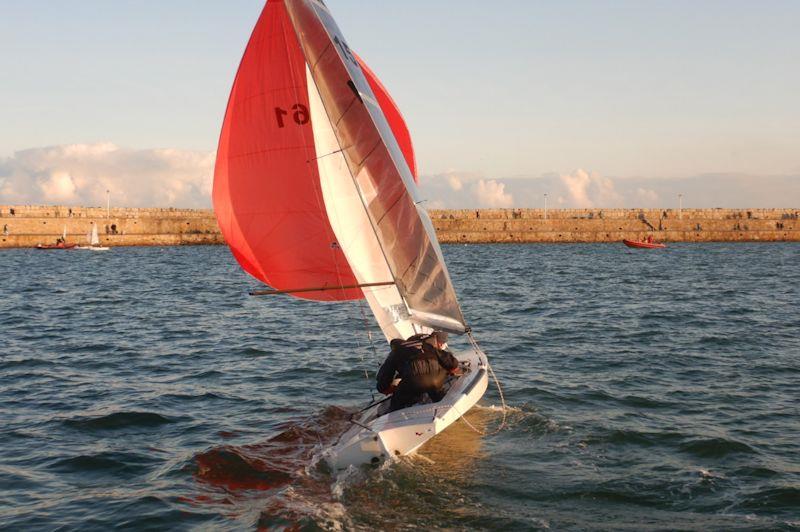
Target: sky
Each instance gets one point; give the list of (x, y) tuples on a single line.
[(597, 104)]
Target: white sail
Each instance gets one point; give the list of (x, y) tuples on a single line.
[(94, 240), (353, 228), (363, 145)]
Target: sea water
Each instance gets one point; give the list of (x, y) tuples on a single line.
[(143, 388)]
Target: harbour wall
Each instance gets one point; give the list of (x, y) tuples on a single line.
[(614, 225), (26, 226)]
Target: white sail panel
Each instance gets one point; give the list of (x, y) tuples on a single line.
[(95, 239), (371, 152), (352, 226)]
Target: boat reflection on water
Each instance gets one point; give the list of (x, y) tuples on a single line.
[(453, 453)]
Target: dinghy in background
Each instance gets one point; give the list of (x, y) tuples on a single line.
[(315, 193), (61, 243), (643, 245), (94, 241)]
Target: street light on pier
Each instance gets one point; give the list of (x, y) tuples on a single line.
[(108, 204), (680, 206), (545, 205)]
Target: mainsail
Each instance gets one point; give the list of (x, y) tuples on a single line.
[(94, 239), (315, 177)]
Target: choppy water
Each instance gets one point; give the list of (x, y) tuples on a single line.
[(142, 388)]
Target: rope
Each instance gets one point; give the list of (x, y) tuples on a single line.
[(499, 390), (361, 356), (369, 336)]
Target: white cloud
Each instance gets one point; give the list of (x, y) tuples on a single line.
[(80, 174), (491, 194), (455, 183), (589, 189), (59, 187), (647, 196)]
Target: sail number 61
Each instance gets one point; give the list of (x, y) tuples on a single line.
[(300, 115)]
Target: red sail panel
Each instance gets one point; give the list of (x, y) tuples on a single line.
[(392, 113), (267, 195)]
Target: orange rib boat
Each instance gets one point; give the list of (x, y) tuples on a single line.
[(62, 245), (643, 245)]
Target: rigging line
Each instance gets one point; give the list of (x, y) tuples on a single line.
[(369, 334), (317, 288), (502, 425), (361, 354), (340, 150)]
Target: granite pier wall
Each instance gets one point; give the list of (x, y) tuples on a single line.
[(614, 225), (26, 226)]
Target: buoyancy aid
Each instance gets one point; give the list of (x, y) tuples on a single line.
[(420, 368)]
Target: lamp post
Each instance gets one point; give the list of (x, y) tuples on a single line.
[(545, 205), (680, 206), (108, 204)]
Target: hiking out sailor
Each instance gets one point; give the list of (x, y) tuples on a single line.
[(422, 363)]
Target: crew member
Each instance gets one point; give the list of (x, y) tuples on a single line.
[(422, 364)]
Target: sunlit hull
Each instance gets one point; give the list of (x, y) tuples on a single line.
[(373, 439)]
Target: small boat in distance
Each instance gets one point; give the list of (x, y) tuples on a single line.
[(61, 242), (643, 244), (94, 241), (57, 245)]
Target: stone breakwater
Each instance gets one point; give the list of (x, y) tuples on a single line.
[(614, 225), (26, 226)]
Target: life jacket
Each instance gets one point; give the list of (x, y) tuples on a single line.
[(420, 368)]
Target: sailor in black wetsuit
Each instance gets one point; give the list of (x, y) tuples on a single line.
[(423, 366)]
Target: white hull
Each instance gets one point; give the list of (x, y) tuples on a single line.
[(374, 438), (93, 248)]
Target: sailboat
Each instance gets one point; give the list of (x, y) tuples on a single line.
[(315, 193), (94, 241)]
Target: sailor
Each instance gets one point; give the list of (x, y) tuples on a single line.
[(422, 363)]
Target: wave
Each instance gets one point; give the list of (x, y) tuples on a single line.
[(26, 363), (634, 437), (784, 498), (119, 420), (716, 447), (118, 463)]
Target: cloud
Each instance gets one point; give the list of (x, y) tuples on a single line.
[(491, 194), (647, 196), (455, 183), (59, 187), (588, 189), (585, 189), (80, 174)]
